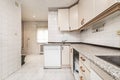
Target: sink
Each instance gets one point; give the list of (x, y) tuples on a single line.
[(115, 60)]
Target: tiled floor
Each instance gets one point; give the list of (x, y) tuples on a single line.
[(34, 71)]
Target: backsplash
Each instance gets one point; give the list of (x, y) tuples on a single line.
[(108, 36)]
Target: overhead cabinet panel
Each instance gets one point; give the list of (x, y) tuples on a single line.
[(74, 17), (86, 11), (63, 19), (102, 5)]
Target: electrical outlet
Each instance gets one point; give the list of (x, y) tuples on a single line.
[(118, 32), (98, 28)]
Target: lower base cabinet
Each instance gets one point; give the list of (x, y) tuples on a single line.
[(92, 72), (94, 75), (84, 68), (65, 56), (87, 69), (99, 74)]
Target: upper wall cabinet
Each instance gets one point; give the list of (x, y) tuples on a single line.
[(74, 17), (93, 11), (86, 11), (102, 5), (63, 19)]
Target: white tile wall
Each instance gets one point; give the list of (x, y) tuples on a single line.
[(30, 32), (107, 37), (54, 35), (10, 37)]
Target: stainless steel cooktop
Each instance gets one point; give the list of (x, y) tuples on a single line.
[(115, 60)]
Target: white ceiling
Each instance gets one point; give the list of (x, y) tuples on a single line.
[(37, 10)]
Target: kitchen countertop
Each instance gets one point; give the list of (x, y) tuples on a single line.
[(90, 52), (57, 44)]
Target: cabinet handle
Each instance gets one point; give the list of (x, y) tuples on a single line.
[(81, 77), (82, 59), (81, 68), (82, 21)]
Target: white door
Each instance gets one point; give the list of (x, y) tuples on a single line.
[(65, 56), (52, 56)]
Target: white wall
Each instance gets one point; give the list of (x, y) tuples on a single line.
[(106, 37), (30, 45), (54, 35), (10, 37)]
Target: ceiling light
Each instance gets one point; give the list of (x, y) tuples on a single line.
[(34, 16)]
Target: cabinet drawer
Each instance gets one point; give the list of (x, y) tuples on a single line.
[(84, 61), (101, 73), (85, 71), (82, 77)]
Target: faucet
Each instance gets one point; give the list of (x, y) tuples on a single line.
[(63, 41)]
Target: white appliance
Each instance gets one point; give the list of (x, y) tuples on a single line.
[(52, 56)]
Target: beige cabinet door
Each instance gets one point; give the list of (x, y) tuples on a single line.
[(65, 56), (102, 5), (63, 19), (86, 11), (95, 76), (74, 17)]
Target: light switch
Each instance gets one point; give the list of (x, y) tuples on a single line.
[(118, 32)]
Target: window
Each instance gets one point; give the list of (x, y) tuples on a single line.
[(42, 34)]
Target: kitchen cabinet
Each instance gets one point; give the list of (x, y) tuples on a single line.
[(84, 68), (68, 18), (63, 19), (86, 11), (98, 74), (65, 56), (102, 5), (94, 75), (74, 17), (52, 56)]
